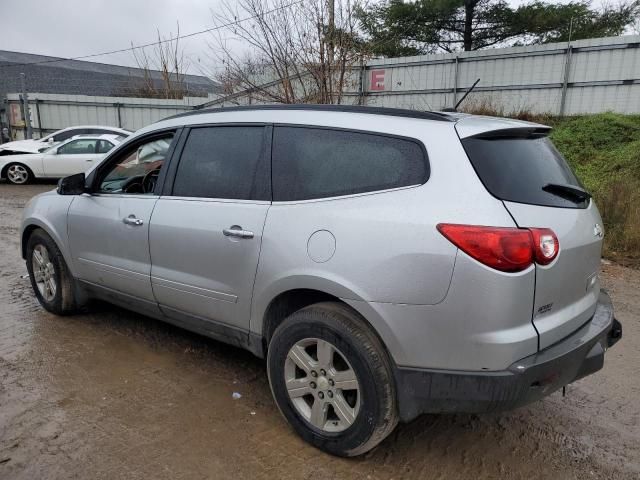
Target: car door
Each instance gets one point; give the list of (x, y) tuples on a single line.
[(109, 228), (206, 230), (75, 156)]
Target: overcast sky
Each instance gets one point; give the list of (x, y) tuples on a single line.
[(70, 28)]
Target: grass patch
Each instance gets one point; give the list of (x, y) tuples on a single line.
[(604, 151)]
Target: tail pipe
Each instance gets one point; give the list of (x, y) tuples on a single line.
[(615, 333)]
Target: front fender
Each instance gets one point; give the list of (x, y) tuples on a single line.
[(48, 212)]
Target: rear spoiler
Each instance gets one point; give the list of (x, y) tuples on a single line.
[(492, 127), (527, 132)]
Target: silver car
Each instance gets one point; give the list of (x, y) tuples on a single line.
[(386, 263)]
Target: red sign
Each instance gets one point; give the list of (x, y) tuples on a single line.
[(377, 80)]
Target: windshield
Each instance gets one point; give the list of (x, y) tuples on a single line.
[(48, 148)]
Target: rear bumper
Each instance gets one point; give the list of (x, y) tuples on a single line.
[(527, 380)]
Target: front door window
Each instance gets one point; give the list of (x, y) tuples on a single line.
[(136, 170)]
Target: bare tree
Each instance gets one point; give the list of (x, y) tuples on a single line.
[(163, 66), (286, 51)]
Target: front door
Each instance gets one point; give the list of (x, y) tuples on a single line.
[(206, 233), (109, 229), (73, 157)]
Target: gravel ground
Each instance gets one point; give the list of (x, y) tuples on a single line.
[(112, 394)]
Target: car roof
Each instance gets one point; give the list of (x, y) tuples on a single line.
[(104, 127), (479, 122), (466, 125)]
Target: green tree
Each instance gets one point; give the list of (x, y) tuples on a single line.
[(396, 28)]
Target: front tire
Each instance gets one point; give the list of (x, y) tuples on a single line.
[(50, 277), (19, 174), (332, 380)]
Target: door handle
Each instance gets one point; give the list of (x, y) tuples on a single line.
[(237, 232), (89, 160), (132, 220)]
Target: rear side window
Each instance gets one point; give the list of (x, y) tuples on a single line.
[(104, 146), (224, 162), (313, 163), (516, 169)]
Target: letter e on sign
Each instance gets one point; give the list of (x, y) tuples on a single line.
[(377, 80)]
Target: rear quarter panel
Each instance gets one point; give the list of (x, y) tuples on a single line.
[(387, 248)]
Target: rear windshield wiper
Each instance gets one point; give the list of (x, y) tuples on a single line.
[(570, 192)]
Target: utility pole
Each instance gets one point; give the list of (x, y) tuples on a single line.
[(332, 27), (567, 70), (25, 100), (331, 33)]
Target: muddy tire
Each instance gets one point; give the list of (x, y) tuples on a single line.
[(18, 174), (50, 277), (332, 379)]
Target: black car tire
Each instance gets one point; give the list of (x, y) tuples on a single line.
[(64, 300), (27, 172), (342, 327)]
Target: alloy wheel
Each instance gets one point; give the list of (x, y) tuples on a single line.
[(17, 174), (322, 385), (44, 272)]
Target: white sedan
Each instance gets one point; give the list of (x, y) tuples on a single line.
[(55, 138), (74, 155)]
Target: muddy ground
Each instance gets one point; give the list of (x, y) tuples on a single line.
[(112, 394)]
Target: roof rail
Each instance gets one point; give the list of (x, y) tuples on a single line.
[(395, 112)]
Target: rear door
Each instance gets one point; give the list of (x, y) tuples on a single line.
[(522, 168), (206, 230)]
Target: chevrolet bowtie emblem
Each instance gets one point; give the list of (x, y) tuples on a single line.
[(597, 230)]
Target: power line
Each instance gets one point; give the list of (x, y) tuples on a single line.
[(159, 42)]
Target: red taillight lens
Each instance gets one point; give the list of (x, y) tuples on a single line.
[(503, 248), (545, 245)]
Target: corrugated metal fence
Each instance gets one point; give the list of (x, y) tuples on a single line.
[(50, 112), (587, 76)]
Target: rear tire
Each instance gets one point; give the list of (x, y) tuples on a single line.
[(18, 174), (50, 277), (332, 379)]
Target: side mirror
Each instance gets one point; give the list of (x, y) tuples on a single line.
[(72, 185), (50, 140)]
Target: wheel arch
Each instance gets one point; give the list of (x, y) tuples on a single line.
[(32, 224), (26, 233), (3, 172), (285, 301)]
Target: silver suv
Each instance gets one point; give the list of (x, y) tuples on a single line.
[(387, 263)]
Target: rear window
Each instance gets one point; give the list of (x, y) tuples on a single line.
[(313, 163), (516, 169), (61, 137)]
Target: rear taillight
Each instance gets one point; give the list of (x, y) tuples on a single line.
[(503, 248)]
